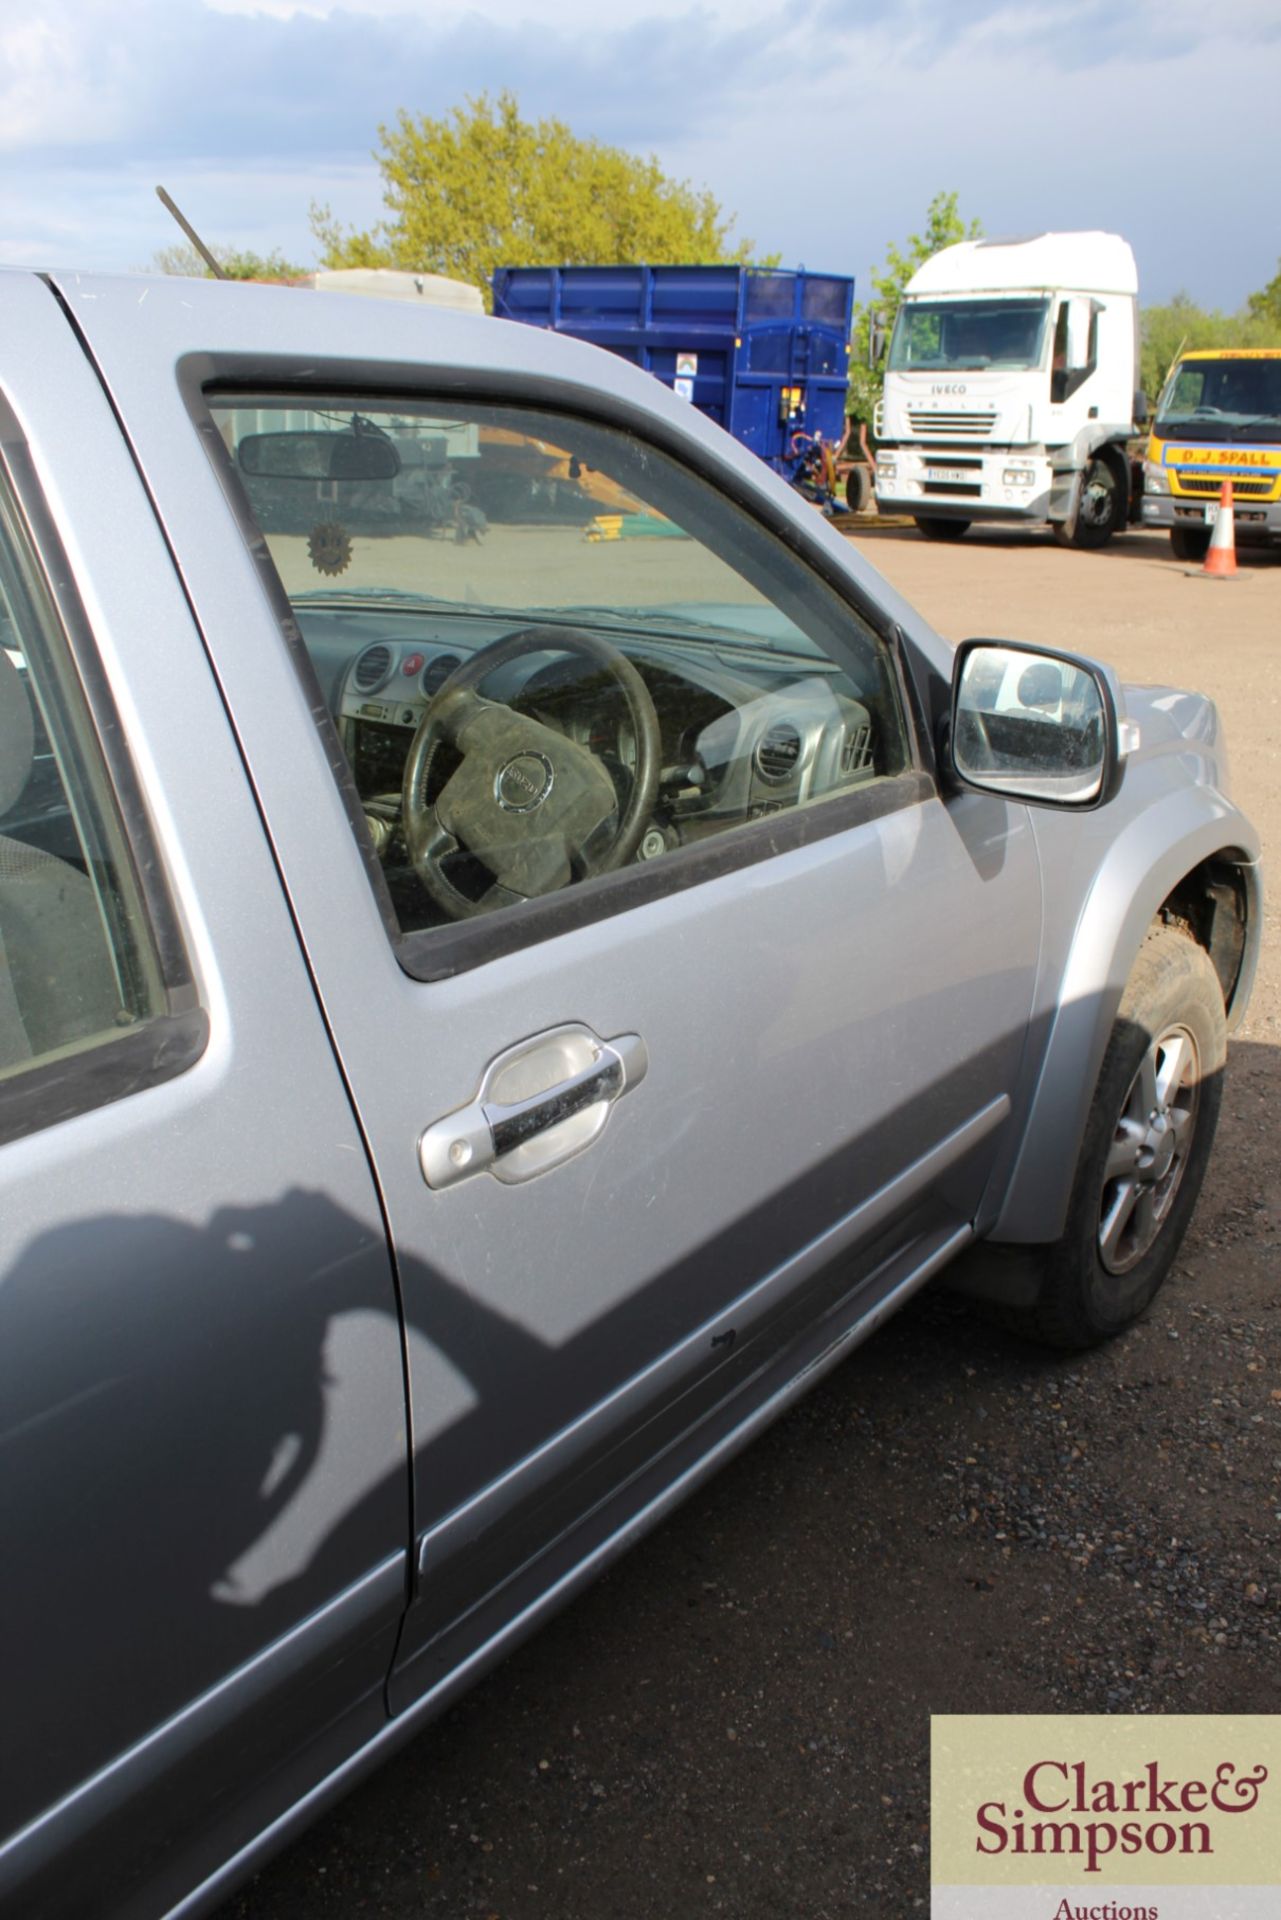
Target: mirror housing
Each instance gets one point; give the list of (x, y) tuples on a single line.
[(1080, 310), (1032, 724), (877, 339)]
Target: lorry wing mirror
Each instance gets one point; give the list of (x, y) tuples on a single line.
[(877, 336), (1080, 312), (1034, 725), (1142, 412)]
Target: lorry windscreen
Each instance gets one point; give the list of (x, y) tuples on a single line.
[(951, 335), (1222, 400)]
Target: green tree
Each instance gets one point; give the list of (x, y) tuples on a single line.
[(1266, 304), (944, 226), (483, 188), (1180, 323), (238, 263)]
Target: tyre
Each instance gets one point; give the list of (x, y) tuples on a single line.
[(1102, 507), (1144, 1153), (934, 529), (1189, 543), (858, 489)]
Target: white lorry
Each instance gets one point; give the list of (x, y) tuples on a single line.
[(1010, 389)]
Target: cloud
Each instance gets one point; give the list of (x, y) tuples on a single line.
[(826, 124), (182, 78)]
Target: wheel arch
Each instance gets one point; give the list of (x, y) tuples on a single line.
[(1100, 437), (1192, 862)]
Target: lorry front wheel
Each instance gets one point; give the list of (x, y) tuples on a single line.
[(1102, 506), (942, 529), (1189, 543)]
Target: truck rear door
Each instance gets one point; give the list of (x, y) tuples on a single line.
[(203, 1491)]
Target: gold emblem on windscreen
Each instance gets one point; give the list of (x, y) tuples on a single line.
[(329, 546)]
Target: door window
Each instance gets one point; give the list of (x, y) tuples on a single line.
[(79, 971), (1073, 360), (551, 653)]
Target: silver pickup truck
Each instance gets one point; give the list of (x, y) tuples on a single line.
[(517, 950)]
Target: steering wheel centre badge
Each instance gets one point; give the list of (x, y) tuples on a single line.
[(524, 782)]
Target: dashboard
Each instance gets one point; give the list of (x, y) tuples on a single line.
[(745, 730)]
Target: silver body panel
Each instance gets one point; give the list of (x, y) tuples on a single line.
[(182, 1290), (857, 1052)]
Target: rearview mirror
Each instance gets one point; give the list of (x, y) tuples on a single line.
[(1033, 725), (318, 456)]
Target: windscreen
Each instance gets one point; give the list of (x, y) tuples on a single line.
[(1222, 400), (965, 335)]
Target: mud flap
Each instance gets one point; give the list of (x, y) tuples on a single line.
[(1004, 1275), (1065, 500)]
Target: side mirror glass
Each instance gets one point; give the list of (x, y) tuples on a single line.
[(1033, 725), (876, 339)]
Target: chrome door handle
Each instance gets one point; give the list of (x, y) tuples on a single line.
[(538, 1104)]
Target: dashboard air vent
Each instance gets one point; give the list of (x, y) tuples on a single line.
[(437, 671), (373, 669), (778, 754), (856, 754)]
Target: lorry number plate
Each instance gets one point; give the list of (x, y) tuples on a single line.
[(949, 473)]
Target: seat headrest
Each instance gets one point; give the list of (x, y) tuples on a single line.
[(17, 734)]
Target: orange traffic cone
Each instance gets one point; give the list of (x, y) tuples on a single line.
[(1221, 560)]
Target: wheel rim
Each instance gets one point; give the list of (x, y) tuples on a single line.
[(1149, 1151), (1098, 495)]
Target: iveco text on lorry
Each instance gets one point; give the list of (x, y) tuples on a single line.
[(1218, 418), (1010, 388)]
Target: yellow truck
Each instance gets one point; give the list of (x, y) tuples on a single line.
[(1218, 418)]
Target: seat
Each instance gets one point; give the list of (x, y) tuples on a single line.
[(58, 982)]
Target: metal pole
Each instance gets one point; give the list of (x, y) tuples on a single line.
[(192, 235)]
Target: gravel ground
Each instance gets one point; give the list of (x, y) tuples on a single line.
[(736, 1719)]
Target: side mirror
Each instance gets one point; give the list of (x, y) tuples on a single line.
[(1142, 412), (877, 336), (1034, 725), (1080, 311)]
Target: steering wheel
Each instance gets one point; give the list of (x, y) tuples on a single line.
[(534, 807)]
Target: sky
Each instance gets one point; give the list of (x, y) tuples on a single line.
[(824, 126)]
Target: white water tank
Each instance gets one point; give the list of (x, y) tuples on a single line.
[(390, 283)]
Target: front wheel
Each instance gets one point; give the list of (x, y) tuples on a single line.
[(1189, 543), (1101, 510), (936, 529), (1145, 1150)]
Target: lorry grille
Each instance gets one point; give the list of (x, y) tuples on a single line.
[(974, 426), (1208, 486)]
